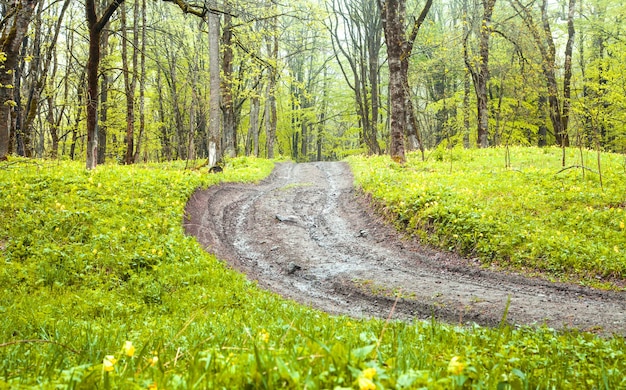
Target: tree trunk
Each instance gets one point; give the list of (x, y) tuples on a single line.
[(399, 48), (96, 25), (229, 144), (164, 136), (480, 73), (567, 77), (252, 143), (130, 80), (142, 81), (546, 46), (214, 97), (10, 42), (271, 117), (104, 103)]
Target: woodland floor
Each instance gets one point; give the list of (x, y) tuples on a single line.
[(308, 235)]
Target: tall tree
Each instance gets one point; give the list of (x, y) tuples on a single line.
[(399, 48), (14, 28), (479, 70), (130, 78), (361, 21), (544, 40), (96, 25)]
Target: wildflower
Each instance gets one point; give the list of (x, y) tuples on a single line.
[(366, 383), (455, 367), (108, 364), (369, 373), (129, 349), (621, 225), (264, 336), (154, 360), (152, 386)]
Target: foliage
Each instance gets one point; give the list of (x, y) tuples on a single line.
[(100, 288), (532, 217)]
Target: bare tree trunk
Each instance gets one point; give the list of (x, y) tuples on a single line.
[(252, 142), (165, 139), (142, 81), (96, 25), (229, 144), (271, 117), (130, 79), (399, 48), (214, 98), (104, 102)]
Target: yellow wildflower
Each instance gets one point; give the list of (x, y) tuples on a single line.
[(154, 360), (129, 348), (152, 386), (621, 225), (369, 373), (108, 364), (366, 383), (264, 336), (455, 366)]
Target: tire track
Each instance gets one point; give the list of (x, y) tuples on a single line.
[(304, 233)]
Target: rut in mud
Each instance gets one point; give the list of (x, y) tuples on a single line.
[(307, 235)]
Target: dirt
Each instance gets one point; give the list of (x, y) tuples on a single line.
[(307, 234)]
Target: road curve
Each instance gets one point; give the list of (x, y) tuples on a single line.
[(306, 234)]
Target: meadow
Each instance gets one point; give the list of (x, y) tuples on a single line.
[(101, 288), (512, 209)]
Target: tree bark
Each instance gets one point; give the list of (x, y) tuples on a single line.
[(271, 116), (10, 42), (96, 25), (399, 48), (142, 81), (104, 102), (229, 143), (130, 80), (214, 92)]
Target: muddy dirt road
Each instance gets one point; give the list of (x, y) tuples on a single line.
[(305, 233)]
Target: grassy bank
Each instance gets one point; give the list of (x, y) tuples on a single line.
[(530, 216), (100, 288)]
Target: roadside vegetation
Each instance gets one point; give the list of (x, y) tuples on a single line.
[(515, 208), (100, 288)]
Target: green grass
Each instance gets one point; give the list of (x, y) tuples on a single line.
[(92, 260), (529, 217)]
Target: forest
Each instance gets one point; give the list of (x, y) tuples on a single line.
[(463, 194), (130, 81)]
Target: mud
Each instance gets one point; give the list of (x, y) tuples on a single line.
[(308, 235)]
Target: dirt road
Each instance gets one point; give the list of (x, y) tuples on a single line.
[(306, 234)]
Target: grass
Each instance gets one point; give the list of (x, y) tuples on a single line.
[(530, 216), (100, 288)]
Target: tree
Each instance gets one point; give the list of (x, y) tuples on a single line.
[(479, 70), (14, 27), (96, 25), (399, 48), (130, 79), (362, 22), (544, 40)]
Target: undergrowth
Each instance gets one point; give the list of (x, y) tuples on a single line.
[(532, 216), (100, 288)]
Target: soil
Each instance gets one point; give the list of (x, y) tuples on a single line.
[(307, 234)]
